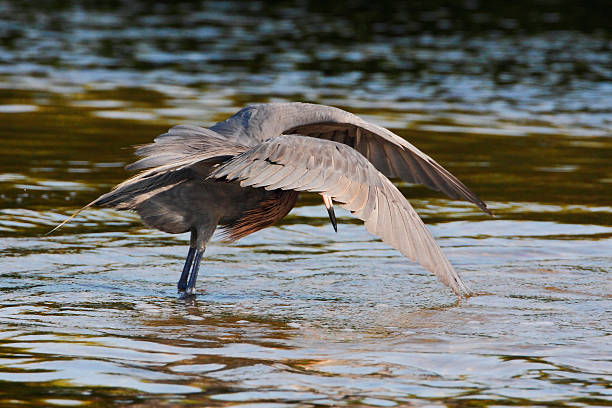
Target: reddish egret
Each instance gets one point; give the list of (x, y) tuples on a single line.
[(245, 174)]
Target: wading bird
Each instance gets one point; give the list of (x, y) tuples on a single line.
[(245, 174)]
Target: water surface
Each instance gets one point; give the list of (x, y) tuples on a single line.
[(517, 106)]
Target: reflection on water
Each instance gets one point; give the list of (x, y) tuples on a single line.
[(517, 105), (292, 315)]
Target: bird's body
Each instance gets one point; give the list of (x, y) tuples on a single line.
[(245, 174)]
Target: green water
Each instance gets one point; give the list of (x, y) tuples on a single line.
[(518, 106)]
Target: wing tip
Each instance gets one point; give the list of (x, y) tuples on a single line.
[(483, 206), (463, 292)]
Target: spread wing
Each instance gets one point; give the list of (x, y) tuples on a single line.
[(389, 153), (292, 162)]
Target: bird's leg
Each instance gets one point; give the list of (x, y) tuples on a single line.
[(182, 283), (330, 210), (190, 290), (200, 235), (193, 241)]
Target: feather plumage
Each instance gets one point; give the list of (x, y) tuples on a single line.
[(365, 191)]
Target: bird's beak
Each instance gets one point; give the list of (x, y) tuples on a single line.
[(330, 210)]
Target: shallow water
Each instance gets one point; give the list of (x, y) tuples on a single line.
[(518, 107)]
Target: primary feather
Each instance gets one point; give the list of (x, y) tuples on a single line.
[(365, 192)]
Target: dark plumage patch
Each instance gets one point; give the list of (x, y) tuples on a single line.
[(274, 206)]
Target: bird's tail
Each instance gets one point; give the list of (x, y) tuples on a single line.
[(183, 152), (133, 191)]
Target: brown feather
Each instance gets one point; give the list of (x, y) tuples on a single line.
[(271, 209)]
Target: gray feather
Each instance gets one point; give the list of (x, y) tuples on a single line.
[(366, 192), (183, 143), (259, 122)]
